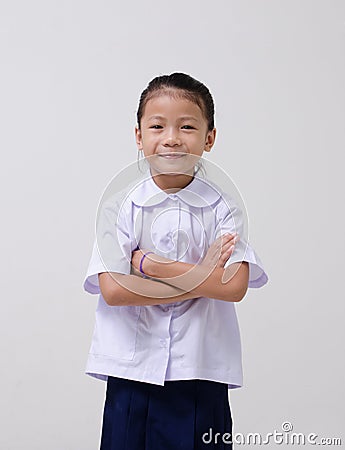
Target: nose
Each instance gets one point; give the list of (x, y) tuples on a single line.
[(172, 139)]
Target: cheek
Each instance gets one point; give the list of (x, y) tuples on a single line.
[(198, 142), (149, 144), (145, 141), (148, 138)]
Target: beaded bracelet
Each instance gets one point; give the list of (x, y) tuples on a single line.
[(141, 262)]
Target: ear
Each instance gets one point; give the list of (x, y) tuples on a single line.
[(138, 138), (210, 138)]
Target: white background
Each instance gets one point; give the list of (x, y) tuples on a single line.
[(71, 76)]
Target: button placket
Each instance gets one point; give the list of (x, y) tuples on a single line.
[(164, 338)]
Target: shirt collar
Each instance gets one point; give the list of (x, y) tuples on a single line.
[(200, 192)]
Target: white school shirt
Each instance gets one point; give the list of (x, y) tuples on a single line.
[(194, 339)]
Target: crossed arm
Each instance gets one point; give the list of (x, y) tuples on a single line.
[(173, 281)]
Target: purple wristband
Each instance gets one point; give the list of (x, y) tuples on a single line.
[(141, 262)]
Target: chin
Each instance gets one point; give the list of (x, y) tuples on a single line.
[(175, 165)]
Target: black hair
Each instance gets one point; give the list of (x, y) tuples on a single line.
[(179, 85)]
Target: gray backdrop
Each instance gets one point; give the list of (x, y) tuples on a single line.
[(71, 75)]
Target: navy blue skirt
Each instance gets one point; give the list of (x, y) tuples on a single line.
[(181, 415)]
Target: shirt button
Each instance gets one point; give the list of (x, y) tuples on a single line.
[(163, 343)]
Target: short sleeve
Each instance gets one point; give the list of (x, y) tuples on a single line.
[(231, 219), (112, 248)]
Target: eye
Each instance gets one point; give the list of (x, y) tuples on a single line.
[(156, 127), (188, 127)]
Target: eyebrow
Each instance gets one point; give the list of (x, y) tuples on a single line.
[(156, 117), (188, 118)]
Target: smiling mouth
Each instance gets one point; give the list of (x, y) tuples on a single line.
[(171, 155)]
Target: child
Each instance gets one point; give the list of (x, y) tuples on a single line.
[(169, 262)]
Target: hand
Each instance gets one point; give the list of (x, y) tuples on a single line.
[(148, 262), (220, 251), (150, 258), (136, 258), (136, 272)]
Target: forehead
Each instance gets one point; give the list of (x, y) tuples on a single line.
[(171, 105)]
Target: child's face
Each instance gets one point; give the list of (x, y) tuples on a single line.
[(173, 134)]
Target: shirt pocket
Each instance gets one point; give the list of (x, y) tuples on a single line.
[(116, 330)]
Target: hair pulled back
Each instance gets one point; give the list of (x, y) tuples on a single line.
[(179, 85)]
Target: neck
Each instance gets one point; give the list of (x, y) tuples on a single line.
[(171, 182)]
